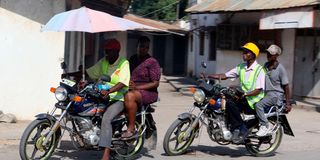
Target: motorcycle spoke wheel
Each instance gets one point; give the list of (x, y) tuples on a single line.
[(31, 142), (265, 146), (131, 147), (175, 142)]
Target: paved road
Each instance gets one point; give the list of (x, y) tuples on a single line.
[(305, 145)]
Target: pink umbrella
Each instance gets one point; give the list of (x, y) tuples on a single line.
[(87, 20)]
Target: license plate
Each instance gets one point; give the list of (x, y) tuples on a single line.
[(68, 82)]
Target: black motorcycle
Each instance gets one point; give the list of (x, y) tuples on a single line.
[(81, 115), (210, 99)]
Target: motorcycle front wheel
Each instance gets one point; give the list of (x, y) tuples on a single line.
[(174, 142), (265, 146), (32, 138)]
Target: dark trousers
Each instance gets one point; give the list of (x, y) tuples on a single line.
[(233, 109)]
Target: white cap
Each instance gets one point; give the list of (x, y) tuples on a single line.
[(274, 49)]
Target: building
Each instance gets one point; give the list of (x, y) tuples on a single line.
[(30, 59), (220, 27)]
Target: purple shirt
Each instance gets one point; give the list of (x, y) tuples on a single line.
[(145, 70)]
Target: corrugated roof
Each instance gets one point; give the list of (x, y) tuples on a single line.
[(154, 23), (247, 5)]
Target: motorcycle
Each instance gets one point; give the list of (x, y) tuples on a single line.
[(81, 115), (210, 98)]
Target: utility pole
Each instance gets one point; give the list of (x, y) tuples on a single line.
[(178, 8)]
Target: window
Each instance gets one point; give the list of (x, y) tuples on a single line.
[(213, 49), (201, 41), (232, 36)]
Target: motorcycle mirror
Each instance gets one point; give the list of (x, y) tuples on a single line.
[(63, 65), (203, 64), (105, 78)]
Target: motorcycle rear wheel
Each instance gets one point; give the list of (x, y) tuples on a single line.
[(272, 142), (32, 139), (175, 134), (133, 146)]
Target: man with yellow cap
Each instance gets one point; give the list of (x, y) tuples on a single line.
[(252, 81)]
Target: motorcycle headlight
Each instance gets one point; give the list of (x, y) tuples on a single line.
[(61, 94), (199, 96)]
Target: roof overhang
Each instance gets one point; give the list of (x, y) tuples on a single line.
[(305, 17), (160, 26), (223, 6)]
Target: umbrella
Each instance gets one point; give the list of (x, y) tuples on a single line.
[(88, 20)]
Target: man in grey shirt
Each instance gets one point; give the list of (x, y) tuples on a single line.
[(277, 86)]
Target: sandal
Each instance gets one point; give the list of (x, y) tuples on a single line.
[(126, 135)]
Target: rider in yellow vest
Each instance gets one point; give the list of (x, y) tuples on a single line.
[(118, 68), (252, 81)]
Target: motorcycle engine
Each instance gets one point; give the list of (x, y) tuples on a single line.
[(89, 132), (226, 133), (219, 131)]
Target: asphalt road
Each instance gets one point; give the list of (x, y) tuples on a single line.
[(305, 145)]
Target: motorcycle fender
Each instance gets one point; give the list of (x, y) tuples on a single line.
[(286, 126), (186, 115), (51, 119)]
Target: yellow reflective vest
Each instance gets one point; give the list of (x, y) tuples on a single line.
[(250, 84)]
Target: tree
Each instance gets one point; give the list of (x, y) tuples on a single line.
[(165, 10)]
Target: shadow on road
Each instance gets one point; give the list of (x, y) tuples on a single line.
[(225, 151), (67, 151)]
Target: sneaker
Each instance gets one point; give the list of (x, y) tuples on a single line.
[(263, 131)]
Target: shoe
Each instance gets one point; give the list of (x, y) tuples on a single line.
[(263, 131), (235, 134), (127, 135), (239, 135)]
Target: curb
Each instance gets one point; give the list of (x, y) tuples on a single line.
[(307, 108), (183, 90)]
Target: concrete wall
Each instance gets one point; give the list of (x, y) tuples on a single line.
[(29, 59), (288, 50), (194, 58), (307, 64)]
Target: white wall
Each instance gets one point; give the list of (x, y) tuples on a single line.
[(29, 59), (194, 58), (288, 38)]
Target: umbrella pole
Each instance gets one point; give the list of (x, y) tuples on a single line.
[(83, 56)]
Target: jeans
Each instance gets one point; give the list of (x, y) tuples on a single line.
[(271, 99), (106, 127)]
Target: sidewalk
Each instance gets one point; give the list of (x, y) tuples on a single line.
[(182, 85)]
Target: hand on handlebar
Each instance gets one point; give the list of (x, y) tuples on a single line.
[(104, 93)]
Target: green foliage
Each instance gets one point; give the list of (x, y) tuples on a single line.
[(158, 9)]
